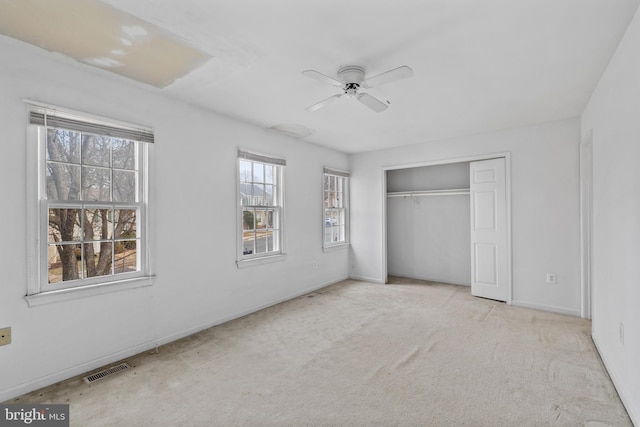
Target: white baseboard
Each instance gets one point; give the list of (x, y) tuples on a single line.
[(542, 307), (366, 279), (634, 413), (74, 371), (132, 351)]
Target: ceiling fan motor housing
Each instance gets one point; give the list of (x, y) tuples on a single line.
[(351, 74)]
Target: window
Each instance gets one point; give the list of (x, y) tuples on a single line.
[(336, 203), (91, 188), (261, 200)]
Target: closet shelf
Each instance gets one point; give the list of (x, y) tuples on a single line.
[(450, 192)]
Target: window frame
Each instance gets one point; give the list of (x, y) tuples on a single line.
[(277, 207), (345, 175), (39, 290)]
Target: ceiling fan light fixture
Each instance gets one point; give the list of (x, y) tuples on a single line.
[(351, 74)]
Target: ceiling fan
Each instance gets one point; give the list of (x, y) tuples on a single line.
[(351, 78)]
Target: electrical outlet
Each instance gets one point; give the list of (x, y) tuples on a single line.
[(551, 277), (621, 331), (5, 336), (315, 264)]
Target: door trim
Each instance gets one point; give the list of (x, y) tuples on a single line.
[(488, 156), (586, 218)]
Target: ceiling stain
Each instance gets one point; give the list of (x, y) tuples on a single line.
[(96, 34)]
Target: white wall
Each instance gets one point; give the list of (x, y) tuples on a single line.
[(193, 177), (429, 237), (544, 207), (612, 115)]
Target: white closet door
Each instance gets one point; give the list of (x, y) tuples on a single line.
[(489, 267)]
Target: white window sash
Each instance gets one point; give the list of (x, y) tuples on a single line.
[(343, 209), (37, 234), (277, 207)]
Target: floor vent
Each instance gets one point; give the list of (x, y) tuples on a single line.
[(106, 373)]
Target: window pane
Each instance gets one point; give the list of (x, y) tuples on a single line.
[(97, 224), (96, 184), (327, 217), (97, 258), (245, 171), (268, 195), (336, 235), (96, 150), (126, 258), (270, 243), (340, 217), (63, 146), (261, 219), (270, 218), (258, 172), (258, 195), (334, 225), (124, 154), (125, 224), (64, 263), (124, 186), (248, 218), (248, 242), (261, 242), (63, 181), (64, 225), (245, 194), (268, 174)]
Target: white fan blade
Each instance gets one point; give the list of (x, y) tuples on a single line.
[(324, 102), (399, 73), (321, 77), (371, 102)]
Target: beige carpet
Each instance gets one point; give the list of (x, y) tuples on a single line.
[(359, 354)]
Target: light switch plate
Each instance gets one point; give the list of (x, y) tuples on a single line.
[(5, 336)]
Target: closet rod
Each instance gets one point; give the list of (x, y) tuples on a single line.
[(451, 192)]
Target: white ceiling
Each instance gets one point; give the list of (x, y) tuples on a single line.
[(479, 65)]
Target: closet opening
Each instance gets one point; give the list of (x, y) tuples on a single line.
[(449, 222), (428, 227)]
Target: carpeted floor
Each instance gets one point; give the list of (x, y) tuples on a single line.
[(411, 353)]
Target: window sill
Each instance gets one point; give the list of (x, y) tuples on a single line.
[(85, 291), (244, 263), (335, 247)]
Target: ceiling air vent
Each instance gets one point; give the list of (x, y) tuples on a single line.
[(106, 372)]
